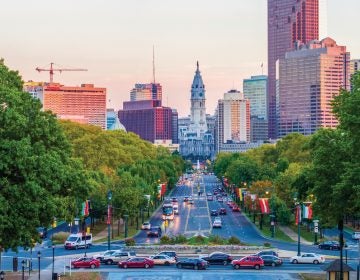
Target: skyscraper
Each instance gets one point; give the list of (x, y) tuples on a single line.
[(150, 91), (233, 119), (310, 77), (255, 90), (289, 21)]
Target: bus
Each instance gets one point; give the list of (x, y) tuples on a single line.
[(167, 211)]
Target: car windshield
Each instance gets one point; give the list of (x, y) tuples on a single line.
[(72, 238)]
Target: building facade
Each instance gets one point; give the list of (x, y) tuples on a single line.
[(255, 90), (233, 120), (196, 141), (289, 21), (150, 91), (85, 104), (310, 76)]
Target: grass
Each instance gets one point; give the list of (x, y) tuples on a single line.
[(312, 276), (131, 232), (304, 233), (279, 235), (82, 276)]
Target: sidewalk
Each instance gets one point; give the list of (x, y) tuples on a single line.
[(293, 235)]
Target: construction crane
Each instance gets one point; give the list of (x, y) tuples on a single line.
[(52, 69)]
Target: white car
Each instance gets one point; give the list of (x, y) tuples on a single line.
[(163, 260), (217, 224), (105, 254), (308, 258), (146, 225)]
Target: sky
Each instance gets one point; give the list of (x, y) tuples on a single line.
[(114, 40)]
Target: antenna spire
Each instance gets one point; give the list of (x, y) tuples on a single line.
[(153, 64)]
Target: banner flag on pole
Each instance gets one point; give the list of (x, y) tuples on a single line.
[(307, 210), (298, 215), (264, 205)]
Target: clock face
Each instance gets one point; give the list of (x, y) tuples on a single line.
[(200, 94)]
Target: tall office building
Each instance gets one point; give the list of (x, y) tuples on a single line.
[(289, 21), (151, 91), (310, 76), (233, 120), (84, 104), (255, 90)]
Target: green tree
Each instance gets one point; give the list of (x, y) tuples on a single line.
[(38, 178)]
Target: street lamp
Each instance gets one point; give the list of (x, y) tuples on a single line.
[(39, 255), (53, 259), (109, 196), (298, 219), (272, 223)]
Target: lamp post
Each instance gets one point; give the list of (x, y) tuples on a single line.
[(109, 196), (126, 228), (23, 269), (53, 259), (298, 224), (272, 224), (39, 255)]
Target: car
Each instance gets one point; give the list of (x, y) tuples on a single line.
[(146, 225), (220, 199), (236, 208), (105, 254), (329, 245), (209, 194), (190, 201), (171, 254), (248, 262), (154, 231), (163, 260), (192, 263), (136, 263), (308, 258), (217, 224), (174, 199), (229, 201), (271, 260), (218, 258), (214, 212), (210, 198), (222, 211), (266, 253), (117, 257), (355, 236), (186, 198), (85, 263)]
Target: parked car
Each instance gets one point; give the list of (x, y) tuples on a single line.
[(213, 212), (136, 263), (85, 263), (329, 245), (218, 258), (154, 231), (272, 260), (236, 208), (222, 211), (308, 258), (266, 253), (192, 263), (105, 254), (118, 256), (248, 262), (146, 225), (163, 260), (171, 254)]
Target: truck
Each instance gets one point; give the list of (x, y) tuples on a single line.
[(78, 240)]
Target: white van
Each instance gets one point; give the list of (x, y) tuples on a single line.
[(176, 209), (78, 240)]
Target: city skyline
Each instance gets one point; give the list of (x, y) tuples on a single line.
[(114, 42)]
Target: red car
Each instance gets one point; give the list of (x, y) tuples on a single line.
[(85, 262), (222, 211), (137, 262), (235, 208), (248, 262)]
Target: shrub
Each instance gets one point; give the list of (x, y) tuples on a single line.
[(60, 237), (216, 239), (267, 244), (199, 239), (180, 239), (233, 240), (130, 242), (165, 239)]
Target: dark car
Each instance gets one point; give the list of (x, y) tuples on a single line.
[(171, 254), (192, 263), (329, 245), (186, 198), (272, 260), (266, 253), (85, 263), (218, 258), (174, 199), (154, 232), (222, 211), (137, 262), (213, 212)]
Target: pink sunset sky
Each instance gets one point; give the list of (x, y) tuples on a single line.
[(113, 39)]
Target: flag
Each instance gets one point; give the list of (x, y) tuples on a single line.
[(264, 205), (298, 215), (307, 211), (85, 208), (108, 222), (240, 195)]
